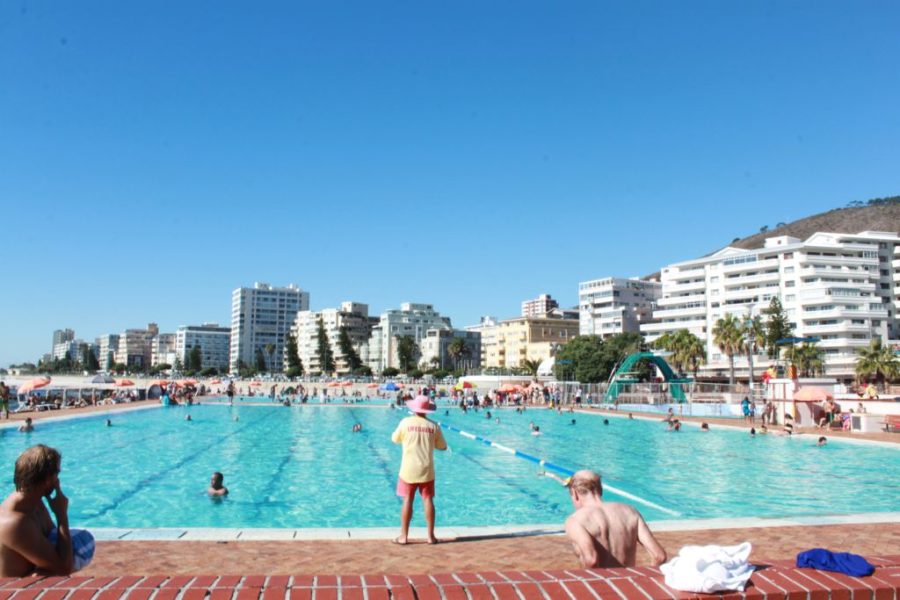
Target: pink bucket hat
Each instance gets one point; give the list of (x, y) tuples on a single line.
[(421, 404)]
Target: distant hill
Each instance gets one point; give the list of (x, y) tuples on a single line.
[(880, 214)]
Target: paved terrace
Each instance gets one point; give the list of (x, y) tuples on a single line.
[(772, 580)]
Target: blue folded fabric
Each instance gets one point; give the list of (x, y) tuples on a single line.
[(840, 562)]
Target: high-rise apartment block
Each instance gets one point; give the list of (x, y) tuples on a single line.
[(261, 318), (213, 340), (539, 306), (108, 345), (134, 349), (840, 288), (614, 305), (351, 316), (412, 320), (162, 350)]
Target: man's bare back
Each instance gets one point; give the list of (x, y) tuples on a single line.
[(606, 534)]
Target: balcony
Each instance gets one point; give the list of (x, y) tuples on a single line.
[(844, 343), (670, 300), (841, 260), (688, 286), (671, 313), (833, 328), (751, 293), (752, 279), (758, 265), (696, 324)]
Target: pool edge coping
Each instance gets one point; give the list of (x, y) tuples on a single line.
[(250, 534)]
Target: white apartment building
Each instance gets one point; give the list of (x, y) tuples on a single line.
[(162, 350), (435, 349), (488, 329), (614, 305), (411, 320), (263, 315), (539, 306), (214, 342), (840, 288), (354, 316), (108, 345), (73, 350)]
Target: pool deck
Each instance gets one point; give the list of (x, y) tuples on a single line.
[(772, 580), (464, 554)]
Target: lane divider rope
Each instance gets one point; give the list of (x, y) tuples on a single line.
[(548, 466)]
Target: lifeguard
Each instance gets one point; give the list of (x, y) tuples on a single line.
[(420, 437)]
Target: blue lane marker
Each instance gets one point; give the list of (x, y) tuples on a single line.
[(554, 467)]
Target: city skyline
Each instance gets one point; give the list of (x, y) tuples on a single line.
[(469, 157)]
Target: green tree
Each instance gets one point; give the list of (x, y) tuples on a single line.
[(209, 372), (88, 360), (778, 327), (809, 359), (178, 367), (260, 360), (877, 360), (458, 349), (294, 364), (110, 360), (120, 368), (582, 358), (407, 352), (686, 350), (531, 366), (727, 335), (323, 350), (345, 345), (195, 359), (390, 372)]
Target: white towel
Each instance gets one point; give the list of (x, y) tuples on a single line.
[(708, 569)]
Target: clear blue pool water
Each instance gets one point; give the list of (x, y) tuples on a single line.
[(302, 467)]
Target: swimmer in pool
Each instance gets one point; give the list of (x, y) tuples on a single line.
[(215, 485)]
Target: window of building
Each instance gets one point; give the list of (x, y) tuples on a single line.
[(789, 284)]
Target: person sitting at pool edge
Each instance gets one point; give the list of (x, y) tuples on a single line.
[(215, 485), (420, 437), (29, 541), (606, 534)]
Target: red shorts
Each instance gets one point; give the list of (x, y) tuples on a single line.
[(405, 490)]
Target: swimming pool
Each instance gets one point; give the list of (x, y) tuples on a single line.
[(301, 467)]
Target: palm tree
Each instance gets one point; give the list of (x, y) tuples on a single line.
[(693, 351), (877, 360), (531, 367), (457, 348), (728, 337), (687, 351), (808, 357), (753, 333)]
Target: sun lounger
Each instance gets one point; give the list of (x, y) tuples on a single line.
[(892, 423)]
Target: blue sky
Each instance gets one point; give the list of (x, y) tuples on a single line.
[(154, 156)]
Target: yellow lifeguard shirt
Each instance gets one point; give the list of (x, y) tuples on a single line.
[(419, 437)]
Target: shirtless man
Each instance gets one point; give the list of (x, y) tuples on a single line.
[(25, 524), (606, 534)]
